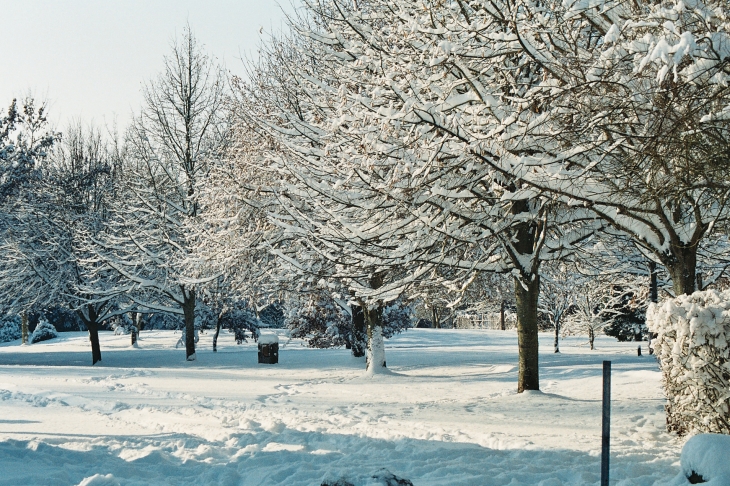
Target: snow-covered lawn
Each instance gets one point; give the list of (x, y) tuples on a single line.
[(448, 414)]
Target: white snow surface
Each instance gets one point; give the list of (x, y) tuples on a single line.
[(447, 413), (268, 339), (709, 456)]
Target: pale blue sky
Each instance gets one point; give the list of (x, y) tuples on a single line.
[(88, 58)]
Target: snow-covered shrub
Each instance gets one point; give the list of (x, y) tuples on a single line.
[(164, 320), (272, 316), (64, 319), (694, 355), (204, 316), (397, 317), (121, 324), (239, 320), (321, 322), (10, 328), (43, 332)]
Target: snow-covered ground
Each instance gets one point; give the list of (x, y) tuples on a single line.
[(448, 414)]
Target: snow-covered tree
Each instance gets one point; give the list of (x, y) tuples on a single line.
[(558, 296), (152, 234), (598, 300), (24, 143), (45, 240), (397, 110)]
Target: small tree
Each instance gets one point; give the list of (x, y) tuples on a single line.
[(152, 238)]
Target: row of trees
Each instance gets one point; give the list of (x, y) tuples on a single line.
[(380, 150)]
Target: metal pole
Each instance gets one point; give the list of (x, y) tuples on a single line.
[(606, 436)]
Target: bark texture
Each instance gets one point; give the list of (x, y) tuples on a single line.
[(189, 314), (90, 320), (682, 268), (359, 333), (526, 298), (24, 327)]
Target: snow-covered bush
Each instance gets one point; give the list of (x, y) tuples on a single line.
[(397, 317), (10, 328), (321, 322), (164, 320), (325, 323), (694, 355), (272, 315), (121, 324), (43, 331), (239, 320)]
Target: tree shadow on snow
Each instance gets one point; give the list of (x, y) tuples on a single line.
[(294, 457)]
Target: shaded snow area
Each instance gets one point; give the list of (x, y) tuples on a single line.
[(447, 413)]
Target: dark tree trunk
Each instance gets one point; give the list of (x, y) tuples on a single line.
[(94, 338), (359, 334), (653, 296), (92, 324), (133, 333), (653, 283), (527, 293), (557, 335), (189, 313), (215, 336), (526, 300), (436, 318), (682, 266), (502, 323), (24, 327)]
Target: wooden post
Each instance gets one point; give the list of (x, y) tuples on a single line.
[(606, 435)]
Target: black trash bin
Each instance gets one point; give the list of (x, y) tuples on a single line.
[(268, 349)]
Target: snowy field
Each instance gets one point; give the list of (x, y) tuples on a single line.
[(448, 414)]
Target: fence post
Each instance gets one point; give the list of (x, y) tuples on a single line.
[(606, 435)]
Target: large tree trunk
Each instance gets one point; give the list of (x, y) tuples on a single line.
[(217, 332), (376, 343), (93, 326), (526, 299), (557, 335), (653, 283), (24, 327), (94, 338), (527, 293), (189, 313), (359, 334), (682, 268)]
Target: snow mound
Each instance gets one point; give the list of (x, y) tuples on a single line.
[(707, 456), (43, 332), (99, 480), (268, 339)]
